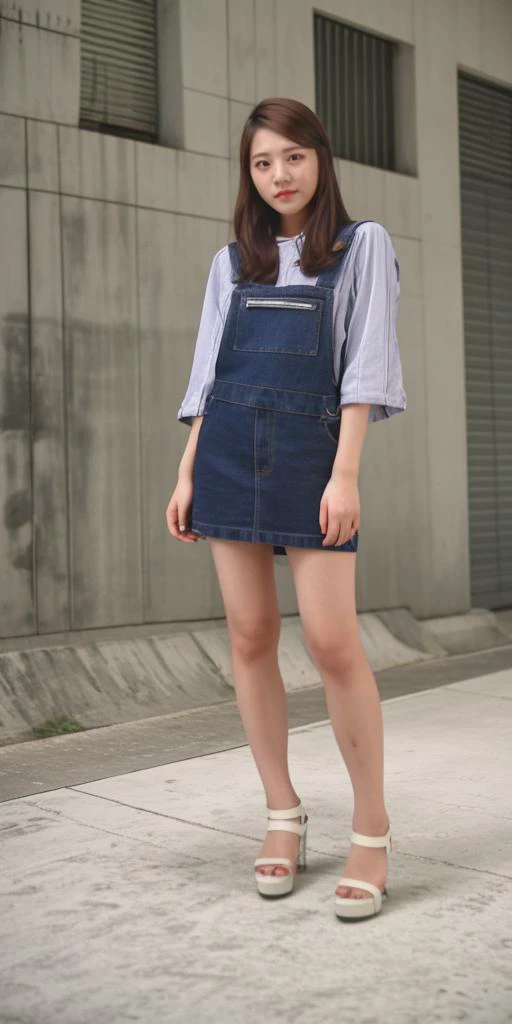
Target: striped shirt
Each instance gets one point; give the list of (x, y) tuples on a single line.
[(366, 297)]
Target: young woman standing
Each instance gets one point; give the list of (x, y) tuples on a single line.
[(296, 354)]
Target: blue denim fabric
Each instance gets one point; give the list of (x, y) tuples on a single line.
[(271, 423)]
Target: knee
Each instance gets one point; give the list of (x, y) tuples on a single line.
[(251, 640), (334, 655)]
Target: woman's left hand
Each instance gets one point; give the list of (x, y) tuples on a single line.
[(339, 510)]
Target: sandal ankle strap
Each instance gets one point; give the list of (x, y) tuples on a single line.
[(290, 812), (280, 821), (361, 840)]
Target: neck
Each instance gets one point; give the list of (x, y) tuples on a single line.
[(293, 224)]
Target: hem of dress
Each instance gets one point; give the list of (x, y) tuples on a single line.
[(297, 540)]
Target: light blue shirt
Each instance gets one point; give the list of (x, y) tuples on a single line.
[(365, 312)]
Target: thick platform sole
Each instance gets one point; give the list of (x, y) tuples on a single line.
[(355, 910), (274, 885)]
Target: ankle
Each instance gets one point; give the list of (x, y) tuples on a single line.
[(371, 824), (281, 801)]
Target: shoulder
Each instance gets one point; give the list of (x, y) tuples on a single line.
[(220, 268), (373, 248), (372, 235), (220, 285), (220, 260)]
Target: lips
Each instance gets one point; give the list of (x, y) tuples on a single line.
[(286, 192)]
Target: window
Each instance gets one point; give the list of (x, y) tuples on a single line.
[(118, 82), (354, 80)]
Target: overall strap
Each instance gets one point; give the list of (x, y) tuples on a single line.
[(327, 278)]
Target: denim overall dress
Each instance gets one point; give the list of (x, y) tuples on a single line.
[(270, 430)]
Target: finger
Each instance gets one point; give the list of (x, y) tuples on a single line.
[(332, 533), (171, 514), (323, 520), (339, 534), (352, 532), (184, 532), (341, 538), (182, 519), (176, 528), (345, 533), (187, 537), (171, 524)]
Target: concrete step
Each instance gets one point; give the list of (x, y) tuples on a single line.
[(188, 665)]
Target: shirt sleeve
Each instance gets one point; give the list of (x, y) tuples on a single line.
[(202, 374), (372, 370)]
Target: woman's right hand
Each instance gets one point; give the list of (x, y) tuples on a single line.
[(178, 511)]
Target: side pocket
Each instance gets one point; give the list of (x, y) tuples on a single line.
[(331, 422), (332, 428)]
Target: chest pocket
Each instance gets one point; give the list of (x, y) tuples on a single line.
[(280, 325)]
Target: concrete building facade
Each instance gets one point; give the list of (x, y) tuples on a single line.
[(105, 246)]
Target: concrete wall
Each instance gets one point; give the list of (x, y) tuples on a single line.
[(105, 245)]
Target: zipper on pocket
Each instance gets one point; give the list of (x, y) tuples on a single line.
[(280, 303)]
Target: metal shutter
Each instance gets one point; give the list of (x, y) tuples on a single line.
[(485, 132), (118, 84), (354, 92)]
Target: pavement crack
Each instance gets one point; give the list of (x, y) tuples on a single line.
[(168, 817), (99, 828)]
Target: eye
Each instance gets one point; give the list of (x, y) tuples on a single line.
[(300, 156), (259, 162)]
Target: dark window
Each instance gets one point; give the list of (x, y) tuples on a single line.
[(118, 79), (354, 92)]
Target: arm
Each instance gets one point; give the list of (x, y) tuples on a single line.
[(353, 427), (371, 381), (187, 459), (367, 355), (192, 407), (340, 508), (178, 509), (202, 374)]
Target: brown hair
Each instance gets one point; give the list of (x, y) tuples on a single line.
[(256, 223)]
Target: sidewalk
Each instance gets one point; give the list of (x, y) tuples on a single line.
[(132, 898)]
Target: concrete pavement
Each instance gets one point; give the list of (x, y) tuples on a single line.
[(131, 898)]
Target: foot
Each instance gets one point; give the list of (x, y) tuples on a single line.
[(365, 862), (280, 844)]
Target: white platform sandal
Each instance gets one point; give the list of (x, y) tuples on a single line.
[(347, 907), (279, 821)]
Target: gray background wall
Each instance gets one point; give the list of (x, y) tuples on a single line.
[(105, 246)]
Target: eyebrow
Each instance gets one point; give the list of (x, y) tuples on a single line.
[(287, 150)]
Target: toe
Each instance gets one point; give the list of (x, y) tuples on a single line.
[(272, 869), (347, 893), (343, 892)]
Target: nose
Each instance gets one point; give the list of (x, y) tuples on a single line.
[(281, 174)]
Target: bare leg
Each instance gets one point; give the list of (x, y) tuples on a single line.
[(246, 578), (325, 586)]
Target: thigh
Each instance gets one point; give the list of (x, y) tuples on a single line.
[(325, 588), (247, 582)]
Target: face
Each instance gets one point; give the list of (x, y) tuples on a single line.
[(279, 165)]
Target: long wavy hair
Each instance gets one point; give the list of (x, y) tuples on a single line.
[(256, 224)]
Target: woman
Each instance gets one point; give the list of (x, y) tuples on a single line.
[(296, 354)]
